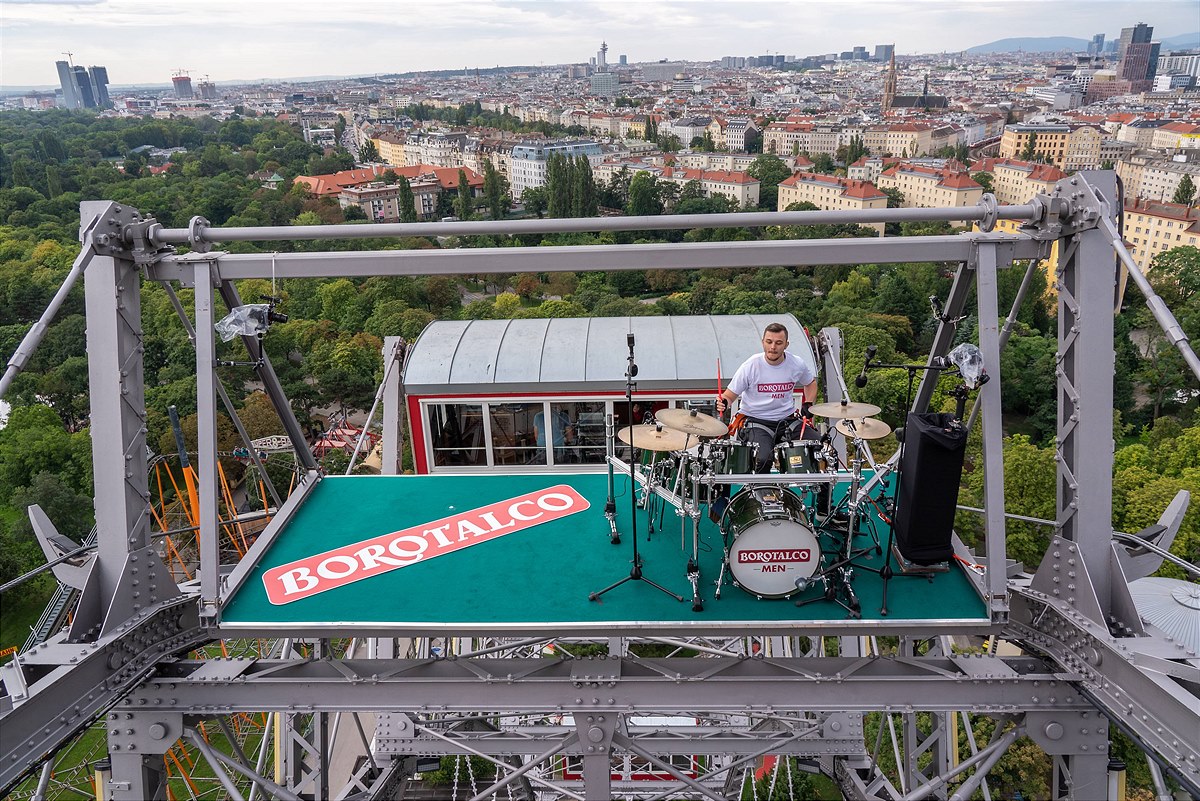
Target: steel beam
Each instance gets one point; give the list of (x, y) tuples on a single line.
[(674, 256), (822, 684), (199, 233)]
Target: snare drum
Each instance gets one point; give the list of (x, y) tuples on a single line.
[(773, 544), (730, 457), (799, 456)]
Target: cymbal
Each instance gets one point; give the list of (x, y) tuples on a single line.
[(692, 422), (861, 428), (653, 437), (840, 409)]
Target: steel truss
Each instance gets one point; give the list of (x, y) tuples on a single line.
[(354, 725)]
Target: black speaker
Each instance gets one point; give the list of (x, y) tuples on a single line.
[(934, 445)]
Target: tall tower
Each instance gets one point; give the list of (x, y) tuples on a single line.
[(99, 81), (889, 83), (66, 78), (83, 85), (602, 57), (1138, 34), (183, 85)]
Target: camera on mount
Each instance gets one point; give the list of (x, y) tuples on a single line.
[(251, 319)]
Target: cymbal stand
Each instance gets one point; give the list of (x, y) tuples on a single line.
[(692, 509), (635, 572)]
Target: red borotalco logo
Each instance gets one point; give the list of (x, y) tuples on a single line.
[(350, 563), (781, 387), (774, 555)]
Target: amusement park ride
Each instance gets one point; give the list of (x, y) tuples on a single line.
[(380, 621)]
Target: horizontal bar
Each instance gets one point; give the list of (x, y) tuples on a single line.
[(661, 222), (584, 258), (731, 684)]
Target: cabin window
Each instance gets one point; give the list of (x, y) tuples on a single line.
[(582, 438), (457, 434), (518, 433)]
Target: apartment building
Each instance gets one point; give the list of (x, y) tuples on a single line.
[(739, 187), (733, 161), (1173, 135), (1152, 227), (1158, 178), (1016, 182), (528, 161), (828, 192), (1068, 147), (391, 147), (902, 139), (928, 188), (379, 201)]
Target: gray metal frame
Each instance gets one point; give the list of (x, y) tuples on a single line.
[(1074, 615)]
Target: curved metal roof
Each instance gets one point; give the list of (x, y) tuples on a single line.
[(587, 354)]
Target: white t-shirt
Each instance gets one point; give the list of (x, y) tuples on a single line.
[(766, 390)]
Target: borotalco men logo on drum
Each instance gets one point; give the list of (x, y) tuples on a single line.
[(773, 560), (326, 571)]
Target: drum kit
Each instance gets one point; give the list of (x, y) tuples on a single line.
[(781, 534)]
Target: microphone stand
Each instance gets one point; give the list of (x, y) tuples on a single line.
[(635, 572)]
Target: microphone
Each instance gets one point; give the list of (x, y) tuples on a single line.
[(629, 339), (861, 381)]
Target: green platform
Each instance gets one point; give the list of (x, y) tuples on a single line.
[(538, 579)]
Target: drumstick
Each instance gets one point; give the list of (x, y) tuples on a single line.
[(719, 383)]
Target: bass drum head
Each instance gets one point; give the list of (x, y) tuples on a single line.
[(769, 556)]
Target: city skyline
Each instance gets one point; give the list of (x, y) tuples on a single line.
[(236, 41)]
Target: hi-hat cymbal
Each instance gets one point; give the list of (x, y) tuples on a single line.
[(863, 428), (843, 409), (692, 422), (653, 437)]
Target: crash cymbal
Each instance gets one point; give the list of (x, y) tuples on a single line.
[(653, 437), (692, 422), (863, 428), (842, 409)]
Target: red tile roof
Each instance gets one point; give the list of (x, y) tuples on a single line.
[(864, 190)]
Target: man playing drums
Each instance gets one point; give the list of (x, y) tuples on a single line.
[(766, 383)]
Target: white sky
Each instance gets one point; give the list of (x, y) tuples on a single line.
[(145, 41)]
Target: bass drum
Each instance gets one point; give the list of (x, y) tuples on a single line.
[(773, 545)]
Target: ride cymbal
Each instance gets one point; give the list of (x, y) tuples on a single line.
[(863, 428), (653, 437), (843, 409), (692, 422)]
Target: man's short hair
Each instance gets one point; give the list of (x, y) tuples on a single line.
[(775, 328)]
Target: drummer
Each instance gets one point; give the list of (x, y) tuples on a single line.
[(766, 383)]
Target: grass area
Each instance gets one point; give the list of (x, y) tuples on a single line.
[(20, 610)]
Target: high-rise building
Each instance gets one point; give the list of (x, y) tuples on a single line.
[(624, 59), (99, 81), (83, 85), (602, 57), (1139, 64), (183, 86), (604, 84), (884, 52), (208, 90), (66, 78), (1138, 34), (1096, 46)]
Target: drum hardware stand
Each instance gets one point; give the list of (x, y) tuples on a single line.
[(692, 510), (836, 579), (635, 572), (610, 505)]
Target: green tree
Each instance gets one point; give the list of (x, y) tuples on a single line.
[(406, 200), (534, 199), (1185, 192), (559, 183), (769, 170), (495, 191), (368, 153), (984, 179), (1030, 151), (895, 198), (462, 203), (643, 196), (584, 201)]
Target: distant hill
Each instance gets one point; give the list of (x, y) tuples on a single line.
[(1055, 44), (1182, 41), (1032, 44)]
